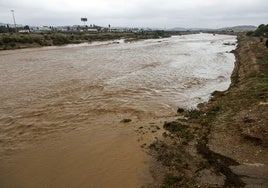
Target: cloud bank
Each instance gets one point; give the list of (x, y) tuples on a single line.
[(137, 13)]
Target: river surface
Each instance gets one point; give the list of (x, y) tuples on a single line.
[(61, 107)]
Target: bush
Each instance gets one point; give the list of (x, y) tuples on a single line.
[(6, 40), (180, 130), (12, 44), (262, 30), (23, 40), (47, 37), (59, 39), (193, 114), (37, 40), (174, 126), (250, 33)]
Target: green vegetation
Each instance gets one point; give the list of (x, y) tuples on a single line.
[(4, 29), (180, 130), (17, 40), (261, 31), (11, 40), (193, 114)]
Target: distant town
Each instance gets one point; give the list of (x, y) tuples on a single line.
[(17, 36), (92, 28)]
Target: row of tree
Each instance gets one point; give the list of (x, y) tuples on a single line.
[(8, 29)]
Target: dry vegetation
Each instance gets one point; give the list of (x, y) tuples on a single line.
[(17, 40)]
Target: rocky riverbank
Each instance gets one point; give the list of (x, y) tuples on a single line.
[(224, 142)]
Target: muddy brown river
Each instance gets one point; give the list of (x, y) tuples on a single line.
[(61, 107)]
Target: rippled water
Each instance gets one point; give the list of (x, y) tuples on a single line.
[(85, 90)]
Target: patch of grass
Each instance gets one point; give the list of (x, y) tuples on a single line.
[(174, 126), (193, 114), (180, 130)]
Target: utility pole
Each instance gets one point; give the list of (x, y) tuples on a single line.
[(14, 20)]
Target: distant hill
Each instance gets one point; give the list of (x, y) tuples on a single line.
[(234, 28), (240, 28), (178, 29)]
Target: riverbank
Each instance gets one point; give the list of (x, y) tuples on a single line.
[(30, 40), (224, 143)]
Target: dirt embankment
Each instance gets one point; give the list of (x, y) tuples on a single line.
[(225, 142)]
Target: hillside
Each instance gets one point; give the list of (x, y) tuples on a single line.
[(241, 28)]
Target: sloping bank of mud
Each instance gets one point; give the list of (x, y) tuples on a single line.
[(225, 142)]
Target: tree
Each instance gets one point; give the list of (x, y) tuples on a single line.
[(262, 30), (26, 27), (3, 29)]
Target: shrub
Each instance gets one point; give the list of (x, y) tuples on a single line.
[(47, 37), (6, 40), (12, 44), (193, 114), (60, 39), (179, 129), (250, 33), (174, 126), (262, 30)]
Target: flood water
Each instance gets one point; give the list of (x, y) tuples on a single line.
[(61, 107)]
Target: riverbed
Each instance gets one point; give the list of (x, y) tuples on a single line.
[(62, 107)]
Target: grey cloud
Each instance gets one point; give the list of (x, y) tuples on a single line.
[(151, 13)]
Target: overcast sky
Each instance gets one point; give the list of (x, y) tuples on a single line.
[(137, 13)]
